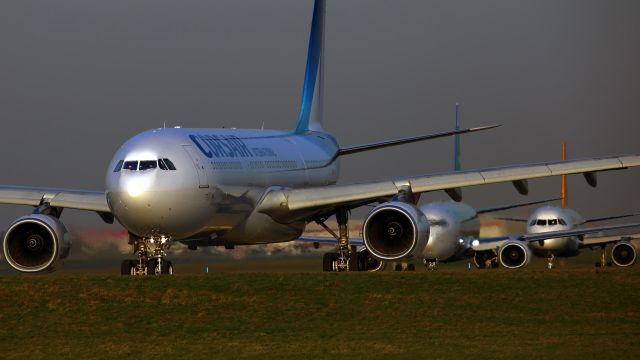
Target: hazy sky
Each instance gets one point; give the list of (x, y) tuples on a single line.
[(78, 78)]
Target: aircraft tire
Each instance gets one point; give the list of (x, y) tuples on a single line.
[(167, 268), (327, 262), (126, 266), (354, 262), (151, 267)]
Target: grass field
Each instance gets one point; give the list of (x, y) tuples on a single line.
[(572, 313)]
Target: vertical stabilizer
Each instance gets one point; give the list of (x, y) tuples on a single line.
[(312, 90), (564, 178), (457, 166)]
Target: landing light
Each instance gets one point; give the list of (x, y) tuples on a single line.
[(475, 243)]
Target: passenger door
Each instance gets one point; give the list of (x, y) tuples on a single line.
[(199, 164)]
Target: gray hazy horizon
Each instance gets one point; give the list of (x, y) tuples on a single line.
[(78, 78)]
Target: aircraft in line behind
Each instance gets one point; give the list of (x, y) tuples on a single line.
[(227, 187)]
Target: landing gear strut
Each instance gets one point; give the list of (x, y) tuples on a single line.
[(602, 264), (151, 253), (346, 258), (551, 259), (430, 264)]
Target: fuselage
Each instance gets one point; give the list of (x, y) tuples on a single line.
[(204, 184), (452, 226), (551, 218)]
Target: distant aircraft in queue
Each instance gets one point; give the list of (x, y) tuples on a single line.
[(552, 219), (228, 187), (454, 234)]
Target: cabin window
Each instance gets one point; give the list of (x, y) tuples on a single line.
[(131, 165), (541, 222), (118, 166), (148, 165)]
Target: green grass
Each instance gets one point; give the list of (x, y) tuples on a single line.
[(451, 313)]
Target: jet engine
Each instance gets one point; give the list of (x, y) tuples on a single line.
[(623, 253), (514, 254), (395, 230), (35, 243)]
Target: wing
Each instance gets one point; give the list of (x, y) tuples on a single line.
[(383, 144), (598, 241), (329, 240), (494, 242), (59, 198), (513, 206), (287, 205), (609, 218)]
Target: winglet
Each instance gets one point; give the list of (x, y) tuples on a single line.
[(312, 90)]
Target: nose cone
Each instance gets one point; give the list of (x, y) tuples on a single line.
[(147, 196)]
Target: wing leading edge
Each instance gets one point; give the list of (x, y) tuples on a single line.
[(294, 204), (61, 198)]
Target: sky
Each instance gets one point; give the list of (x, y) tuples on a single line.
[(78, 78)]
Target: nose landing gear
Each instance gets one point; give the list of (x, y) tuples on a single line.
[(152, 253)]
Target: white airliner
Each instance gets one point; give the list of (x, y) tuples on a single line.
[(548, 219), (209, 187)]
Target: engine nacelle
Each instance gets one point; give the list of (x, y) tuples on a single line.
[(368, 262), (623, 253), (395, 230), (514, 254), (35, 243)]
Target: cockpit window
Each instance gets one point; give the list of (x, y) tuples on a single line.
[(118, 166), (131, 165), (169, 164), (162, 165), (533, 222), (553, 222), (148, 165), (541, 222), (562, 222)]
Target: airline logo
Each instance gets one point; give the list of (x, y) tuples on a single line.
[(221, 146)]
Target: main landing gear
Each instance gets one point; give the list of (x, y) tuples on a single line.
[(603, 263), (430, 264), (152, 253), (346, 257)]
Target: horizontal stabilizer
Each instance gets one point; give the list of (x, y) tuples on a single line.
[(512, 219), (383, 144), (513, 206)]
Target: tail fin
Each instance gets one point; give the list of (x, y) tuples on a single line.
[(563, 188), (456, 142), (312, 91)]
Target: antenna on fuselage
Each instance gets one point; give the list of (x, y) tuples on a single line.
[(563, 185)]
